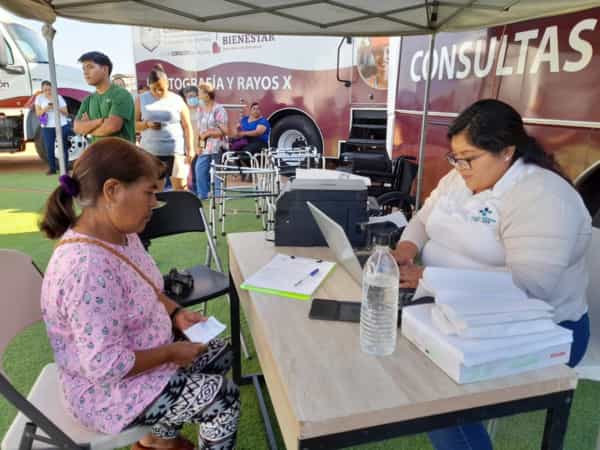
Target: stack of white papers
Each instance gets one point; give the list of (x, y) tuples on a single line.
[(483, 304), (470, 360), (482, 320)]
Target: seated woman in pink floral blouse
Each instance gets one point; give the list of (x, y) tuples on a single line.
[(108, 322)]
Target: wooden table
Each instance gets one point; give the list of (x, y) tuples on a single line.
[(327, 394)]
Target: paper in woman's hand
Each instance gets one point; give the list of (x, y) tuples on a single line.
[(204, 332)]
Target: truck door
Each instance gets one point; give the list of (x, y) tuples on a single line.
[(15, 86)]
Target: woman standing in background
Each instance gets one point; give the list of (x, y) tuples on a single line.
[(163, 119), (190, 95), (212, 125)]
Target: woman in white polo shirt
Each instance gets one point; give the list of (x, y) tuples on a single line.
[(506, 205), (44, 109)]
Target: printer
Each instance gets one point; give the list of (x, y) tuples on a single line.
[(344, 200)]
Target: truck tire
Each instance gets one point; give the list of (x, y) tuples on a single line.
[(39, 145), (295, 131), (76, 146)]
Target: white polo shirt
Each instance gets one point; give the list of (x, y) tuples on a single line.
[(532, 223)]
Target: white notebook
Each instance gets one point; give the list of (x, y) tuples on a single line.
[(289, 276)]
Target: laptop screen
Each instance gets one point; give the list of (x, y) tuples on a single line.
[(338, 242)]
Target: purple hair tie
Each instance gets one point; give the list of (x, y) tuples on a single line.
[(69, 185)]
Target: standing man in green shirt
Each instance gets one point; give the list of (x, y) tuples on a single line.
[(110, 110)]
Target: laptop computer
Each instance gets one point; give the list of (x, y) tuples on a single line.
[(338, 242)]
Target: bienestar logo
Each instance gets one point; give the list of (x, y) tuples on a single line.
[(245, 39)]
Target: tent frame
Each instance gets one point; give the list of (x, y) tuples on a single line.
[(49, 32)]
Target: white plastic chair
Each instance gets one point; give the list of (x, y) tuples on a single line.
[(42, 421), (589, 367)]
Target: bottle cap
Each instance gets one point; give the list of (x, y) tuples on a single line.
[(381, 239)]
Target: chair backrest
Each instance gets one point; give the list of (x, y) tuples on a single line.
[(593, 265), (371, 163), (180, 214), (21, 283), (405, 171)]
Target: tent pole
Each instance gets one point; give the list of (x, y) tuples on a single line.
[(423, 137), (49, 33)]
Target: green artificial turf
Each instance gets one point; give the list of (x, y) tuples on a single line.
[(22, 196)]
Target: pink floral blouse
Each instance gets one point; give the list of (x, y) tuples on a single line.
[(98, 311), (215, 118)]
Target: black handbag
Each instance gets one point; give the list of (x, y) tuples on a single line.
[(178, 283)]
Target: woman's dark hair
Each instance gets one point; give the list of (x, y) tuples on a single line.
[(157, 73), (493, 125), (46, 83), (254, 104), (108, 158)]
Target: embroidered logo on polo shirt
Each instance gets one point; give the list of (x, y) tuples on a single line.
[(484, 216)]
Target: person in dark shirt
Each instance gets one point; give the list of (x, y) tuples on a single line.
[(255, 129)]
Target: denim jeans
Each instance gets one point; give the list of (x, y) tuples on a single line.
[(202, 175), (473, 436), (49, 138), (168, 161)]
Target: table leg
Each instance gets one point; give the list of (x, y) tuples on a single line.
[(264, 413), (557, 418), (234, 311)]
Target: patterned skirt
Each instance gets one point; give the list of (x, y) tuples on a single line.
[(200, 394)]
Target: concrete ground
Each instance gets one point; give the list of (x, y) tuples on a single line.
[(27, 161)]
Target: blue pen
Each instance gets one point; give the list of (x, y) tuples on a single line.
[(312, 274)]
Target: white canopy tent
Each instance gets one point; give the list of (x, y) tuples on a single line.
[(300, 17), (308, 17)]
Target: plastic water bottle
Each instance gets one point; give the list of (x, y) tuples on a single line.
[(379, 310)]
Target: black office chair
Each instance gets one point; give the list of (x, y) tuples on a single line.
[(398, 193), (376, 166), (182, 213), (396, 196)]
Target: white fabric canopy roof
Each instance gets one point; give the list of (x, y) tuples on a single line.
[(308, 17)]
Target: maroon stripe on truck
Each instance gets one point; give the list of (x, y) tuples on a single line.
[(14, 102)]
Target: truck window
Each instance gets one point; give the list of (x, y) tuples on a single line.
[(30, 43), (8, 52)]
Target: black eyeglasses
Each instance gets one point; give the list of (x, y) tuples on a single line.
[(461, 163)]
